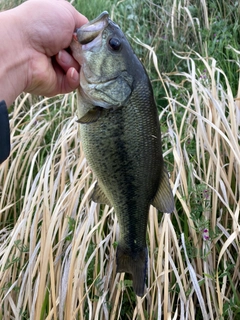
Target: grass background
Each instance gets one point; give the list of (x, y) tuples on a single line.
[(57, 248)]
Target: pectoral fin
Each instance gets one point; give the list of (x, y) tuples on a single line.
[(91, 116), (163, 199), (99, 196)]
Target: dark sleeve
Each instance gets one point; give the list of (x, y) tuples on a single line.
[(4, 132)]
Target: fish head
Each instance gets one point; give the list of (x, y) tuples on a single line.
[(108, 63)]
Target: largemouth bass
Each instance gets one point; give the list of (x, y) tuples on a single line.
[(121, 138)]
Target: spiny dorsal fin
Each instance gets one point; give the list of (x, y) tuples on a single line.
[(91, 116), (163, 199), (99, 196)]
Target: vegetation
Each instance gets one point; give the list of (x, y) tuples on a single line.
[(57, 248)]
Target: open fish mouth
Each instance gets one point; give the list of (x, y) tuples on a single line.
[(90, 34)]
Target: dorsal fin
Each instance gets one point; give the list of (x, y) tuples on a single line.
[(99, 196), (163, 199)]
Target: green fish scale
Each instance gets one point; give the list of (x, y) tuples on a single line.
[(123, 148)]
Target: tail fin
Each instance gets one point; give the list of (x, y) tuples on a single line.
[(134, 263)]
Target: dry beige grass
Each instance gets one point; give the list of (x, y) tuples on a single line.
[(57, 256), (57, 248)]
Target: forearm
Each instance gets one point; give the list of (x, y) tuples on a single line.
[(13, 57)]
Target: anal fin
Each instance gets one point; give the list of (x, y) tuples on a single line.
[(99, 196), (163, 199)]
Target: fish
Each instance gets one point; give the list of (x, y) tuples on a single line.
[(121, 138)]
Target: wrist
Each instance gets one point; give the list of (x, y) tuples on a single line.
[(14, 57)]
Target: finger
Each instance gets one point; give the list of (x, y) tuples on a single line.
[(67, 82), (79, 18), (72, 79), (66, 61)]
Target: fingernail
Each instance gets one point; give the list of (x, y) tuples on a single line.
[(64, 57), (74, 74)]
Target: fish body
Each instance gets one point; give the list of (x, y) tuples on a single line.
[(121, 138)]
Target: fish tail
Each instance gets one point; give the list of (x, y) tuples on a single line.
[(135, 264)]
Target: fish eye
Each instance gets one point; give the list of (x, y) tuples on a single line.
[(114, 44)]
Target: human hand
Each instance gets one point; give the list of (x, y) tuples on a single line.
[(34, 59)]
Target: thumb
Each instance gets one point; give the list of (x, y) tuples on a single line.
[(72, 80)]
